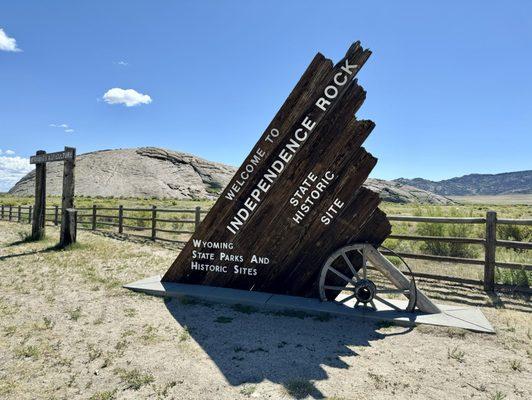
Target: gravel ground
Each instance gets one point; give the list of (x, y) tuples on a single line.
[(69, 331)]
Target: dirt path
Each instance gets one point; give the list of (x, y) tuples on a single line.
[(69, 331)]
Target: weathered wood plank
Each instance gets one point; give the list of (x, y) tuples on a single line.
[(447, 239), (490, 250), (67, 200), (51, 157), (508, 221), (430, 257), (438, 220), (298, 195), (512, 244), (318, 156), (310, 87), (39, 208)]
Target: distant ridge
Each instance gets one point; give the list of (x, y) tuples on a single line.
[(519, 182), (161, 173)]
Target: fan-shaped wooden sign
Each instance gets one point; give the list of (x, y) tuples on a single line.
[(297, 197)]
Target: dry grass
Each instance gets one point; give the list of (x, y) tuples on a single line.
[(69, 331), (508, 199), (474, 251), (141, 225)]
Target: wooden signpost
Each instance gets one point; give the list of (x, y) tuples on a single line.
[(297, 197), (68, 156)]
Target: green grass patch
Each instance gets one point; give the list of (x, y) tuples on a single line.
[(184, 335), (291, 313), (134, 379), (298, 388), (456, 354), (107, 395), (28, 352), (74, 314), (223, 320), (248, 390), (245, 309)]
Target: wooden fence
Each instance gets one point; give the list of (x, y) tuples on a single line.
[(176, 225), (489, 243), (164, 224)]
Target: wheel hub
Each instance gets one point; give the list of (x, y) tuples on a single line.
[(365, 290)]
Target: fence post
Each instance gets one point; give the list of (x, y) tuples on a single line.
[(489, 252), (93, 217), (56, 215), (2, 211), (39, 208), (10, 212), (120, 218), (197, 220), (18, 216), (30, 209), (70, 223), (153, 222)]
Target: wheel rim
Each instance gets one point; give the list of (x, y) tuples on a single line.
[(355, 282)]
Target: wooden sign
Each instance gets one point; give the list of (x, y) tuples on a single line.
[(49, 157), (297, 197), (68, 156)]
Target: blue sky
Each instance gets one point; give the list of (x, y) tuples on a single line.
[(449, 83)]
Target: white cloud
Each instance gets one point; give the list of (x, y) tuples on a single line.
[(7, 43), (11, 170), (129, 97), (65, 127), (9, 152), (122, 63)]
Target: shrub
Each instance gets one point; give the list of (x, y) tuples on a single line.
[(452, 230)]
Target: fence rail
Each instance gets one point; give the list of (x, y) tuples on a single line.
[(173, 224), (176, 226)]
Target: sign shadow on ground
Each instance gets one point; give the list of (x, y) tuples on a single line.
[(290, 348)]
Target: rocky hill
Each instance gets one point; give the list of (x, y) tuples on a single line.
[(476, 184), (137, 172), (161, 173), (396, 192)]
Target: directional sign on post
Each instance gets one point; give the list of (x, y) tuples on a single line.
[(50, 157), (68, 156)]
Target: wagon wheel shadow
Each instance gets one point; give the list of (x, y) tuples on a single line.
[(250, 345)]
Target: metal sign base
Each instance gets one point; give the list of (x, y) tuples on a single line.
[(455, 316)]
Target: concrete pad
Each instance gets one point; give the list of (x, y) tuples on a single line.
[(452, 315), (154, 286)]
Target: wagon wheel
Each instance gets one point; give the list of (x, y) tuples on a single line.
[(339, 274)]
